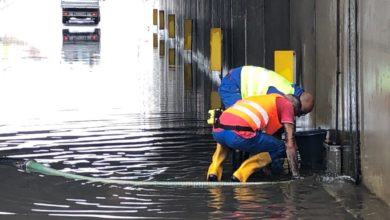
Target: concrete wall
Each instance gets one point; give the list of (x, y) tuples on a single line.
[(277, 28), (342, 51), (374, 68), (323, 33), (252, 30), (326, 62), (303, 37)]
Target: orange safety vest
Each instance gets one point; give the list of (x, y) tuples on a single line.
[(259, 112)]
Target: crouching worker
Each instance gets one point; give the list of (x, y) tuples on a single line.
[(248, 126)]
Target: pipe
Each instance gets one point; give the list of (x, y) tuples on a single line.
[(33, 166), (338, 72), (357, 161), (13, 162)]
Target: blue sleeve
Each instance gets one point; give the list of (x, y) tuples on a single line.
[(297, 90), (274, 90), (235, 75)]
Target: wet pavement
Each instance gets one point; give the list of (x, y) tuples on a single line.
[(110, 107)]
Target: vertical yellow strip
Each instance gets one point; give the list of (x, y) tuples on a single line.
[(285, 64), (155, 40), (171, 26), (216, 49), (162, 48), (155, 16), (162, 21), (6, 49), (215, 100), (172, 56), (187, 34), (188, 76)]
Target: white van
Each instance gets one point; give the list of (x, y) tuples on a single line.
[(80, 12)]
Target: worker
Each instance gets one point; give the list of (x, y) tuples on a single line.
[(246, 81), (249, 81), (248, 126)]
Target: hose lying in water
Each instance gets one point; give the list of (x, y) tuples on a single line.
[(33, 166)]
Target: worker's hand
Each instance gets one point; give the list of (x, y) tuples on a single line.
[(292, 161)]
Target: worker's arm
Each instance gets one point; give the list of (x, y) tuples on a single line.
[(291, 149)]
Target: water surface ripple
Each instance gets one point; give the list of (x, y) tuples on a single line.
[(115, 109)]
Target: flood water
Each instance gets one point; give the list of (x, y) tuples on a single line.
[(114, 109)]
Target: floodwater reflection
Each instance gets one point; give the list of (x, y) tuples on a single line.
[(81, 45)]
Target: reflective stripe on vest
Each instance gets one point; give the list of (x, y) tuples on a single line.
[(252, 113), (253, 81), (260, 112), (256, 81), (258, 119), (260, 109)]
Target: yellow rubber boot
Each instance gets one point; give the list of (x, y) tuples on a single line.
[(215, 169), (250, 165)]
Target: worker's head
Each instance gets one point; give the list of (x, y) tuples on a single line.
[(296, 104), (307, 103)]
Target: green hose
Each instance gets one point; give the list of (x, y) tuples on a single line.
[(33, 166)]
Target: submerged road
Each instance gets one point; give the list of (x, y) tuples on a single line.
[(113, 109)]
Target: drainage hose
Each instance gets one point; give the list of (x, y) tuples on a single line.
[(33, 166)]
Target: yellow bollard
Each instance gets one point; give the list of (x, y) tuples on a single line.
[(216, 49), (162, 20), (171, 26), (187, 34), (155, 16), (285, 64)]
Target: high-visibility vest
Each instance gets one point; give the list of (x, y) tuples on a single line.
[(260, 112), (256, 81)]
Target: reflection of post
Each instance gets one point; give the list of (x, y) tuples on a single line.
[(188, 76), (162, 48), (155, 23), (172, 57), (247, 198), (217, 200), (215, 100), (289, 196)]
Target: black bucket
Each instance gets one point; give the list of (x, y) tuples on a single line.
[(311, 149)]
